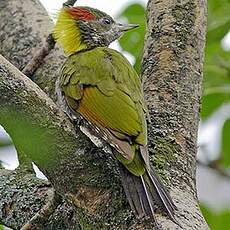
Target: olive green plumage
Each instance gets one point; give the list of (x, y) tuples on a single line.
[(100, 84), (112, 98)]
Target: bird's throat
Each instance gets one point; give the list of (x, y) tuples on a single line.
[(67, 33)]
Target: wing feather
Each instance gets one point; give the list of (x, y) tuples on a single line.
[(111, 112), (108, 92)]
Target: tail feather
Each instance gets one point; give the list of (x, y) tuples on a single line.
[(150, 202), (134, 192), (144, 191), (162, 194)]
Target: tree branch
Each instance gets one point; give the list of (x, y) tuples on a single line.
[(23, 195), (39, 56), (44, 213), (12, 211)]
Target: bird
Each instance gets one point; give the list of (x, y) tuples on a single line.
[(99, 84)]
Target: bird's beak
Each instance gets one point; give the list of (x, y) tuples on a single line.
[(123, 27)]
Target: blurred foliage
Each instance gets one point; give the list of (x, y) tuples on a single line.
[(216, 76), (217, 69), (217, 60), (217, 90), (226, 145), (216, 220), (1, 227), (133, 41)]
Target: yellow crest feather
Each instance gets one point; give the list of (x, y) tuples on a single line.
[(67, 34)]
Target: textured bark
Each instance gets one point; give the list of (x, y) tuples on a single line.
[(172, 69), (30, 115), (23, 195)]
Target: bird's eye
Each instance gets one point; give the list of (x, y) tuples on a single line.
[(107, 21)]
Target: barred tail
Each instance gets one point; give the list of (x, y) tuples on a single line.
[(143, 191)]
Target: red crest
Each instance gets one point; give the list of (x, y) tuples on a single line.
[(81, 13)]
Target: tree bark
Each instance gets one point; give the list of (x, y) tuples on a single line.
[(85, 178), (173, 69)]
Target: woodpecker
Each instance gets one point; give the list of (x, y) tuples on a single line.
[(100, 85)]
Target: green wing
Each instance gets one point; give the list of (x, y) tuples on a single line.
[(108, 92)]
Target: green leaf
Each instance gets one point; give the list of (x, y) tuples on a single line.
[(218, 19), (133, 41), (212, 101), (216, 89), (217, 60), (216, 76), (226, 144), (216, 221)]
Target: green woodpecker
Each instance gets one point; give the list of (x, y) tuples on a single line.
[(100, 85)]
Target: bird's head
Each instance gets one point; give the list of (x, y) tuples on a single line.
[(80, 28)]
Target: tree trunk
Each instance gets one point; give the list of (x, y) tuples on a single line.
[(172, 70), (87, 180)]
